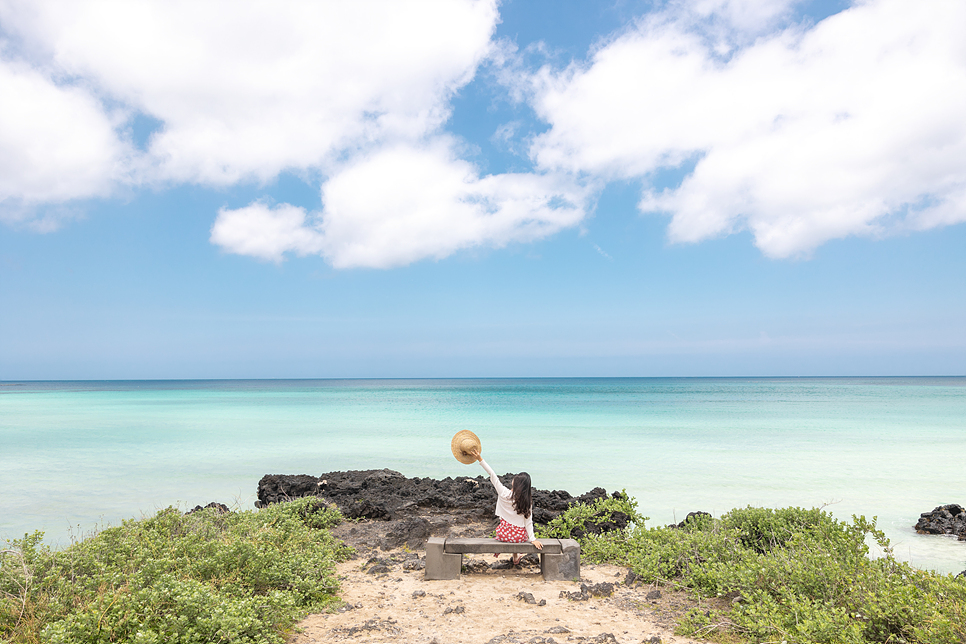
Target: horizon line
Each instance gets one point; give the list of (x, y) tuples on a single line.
[(314, 378)]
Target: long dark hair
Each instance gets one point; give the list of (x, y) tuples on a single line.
[(522, 500)]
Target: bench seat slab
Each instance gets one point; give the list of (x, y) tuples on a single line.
[(479, 546)]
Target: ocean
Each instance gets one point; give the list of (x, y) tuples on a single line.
[(77, 456)]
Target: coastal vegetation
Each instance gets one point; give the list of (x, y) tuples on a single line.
[(786, 575), (199, 577), (764, 575)]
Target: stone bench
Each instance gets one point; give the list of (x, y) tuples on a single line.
[(559, 559)]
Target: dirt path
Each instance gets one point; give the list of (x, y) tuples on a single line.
[(388, 600)]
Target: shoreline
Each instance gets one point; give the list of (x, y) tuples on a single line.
[(706, 575), (344, 484), (425, 506)]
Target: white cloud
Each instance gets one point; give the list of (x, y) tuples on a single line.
[(849, 127), (852, 127), (247, 90), (403, 204), (56, 143), (355, 94), (258, 230), (741, 18)]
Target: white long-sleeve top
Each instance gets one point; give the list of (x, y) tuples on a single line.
[(504, 504)]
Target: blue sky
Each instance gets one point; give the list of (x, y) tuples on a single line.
[(717, 187)]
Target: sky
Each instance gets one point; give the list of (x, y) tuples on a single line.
[(471, 188)]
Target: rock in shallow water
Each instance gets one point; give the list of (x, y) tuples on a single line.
[(945, 519)]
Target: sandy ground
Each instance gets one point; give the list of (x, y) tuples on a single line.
[(386, 602)]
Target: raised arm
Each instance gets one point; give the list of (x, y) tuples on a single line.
[(494, 479)]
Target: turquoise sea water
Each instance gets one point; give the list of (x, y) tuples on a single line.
[(77, 455)]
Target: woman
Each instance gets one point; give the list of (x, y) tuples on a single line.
[(515, 509)]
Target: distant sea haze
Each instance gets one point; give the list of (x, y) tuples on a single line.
[(75, 456)]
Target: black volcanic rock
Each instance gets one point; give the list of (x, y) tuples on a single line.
[(219, 508), (945, 519), (412, 532), (275, 488), (389, 495), (692, 516)]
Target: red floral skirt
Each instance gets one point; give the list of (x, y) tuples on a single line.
[(509, 533)]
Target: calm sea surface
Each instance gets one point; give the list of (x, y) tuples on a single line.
[(78, 455)]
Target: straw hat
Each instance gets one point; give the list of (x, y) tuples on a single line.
[(464, 444)]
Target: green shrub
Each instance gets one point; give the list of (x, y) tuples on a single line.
[(801, 576), (202, 577), (582, 519)]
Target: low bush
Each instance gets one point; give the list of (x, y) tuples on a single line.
[(200, 577), (605, 514), (795, 575)]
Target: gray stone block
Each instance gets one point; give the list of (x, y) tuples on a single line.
[(562, 567), (439, 564)]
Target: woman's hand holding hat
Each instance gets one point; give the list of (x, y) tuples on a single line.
[(466, 447)]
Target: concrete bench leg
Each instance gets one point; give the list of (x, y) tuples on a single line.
[(562, 567), (439, 564)]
